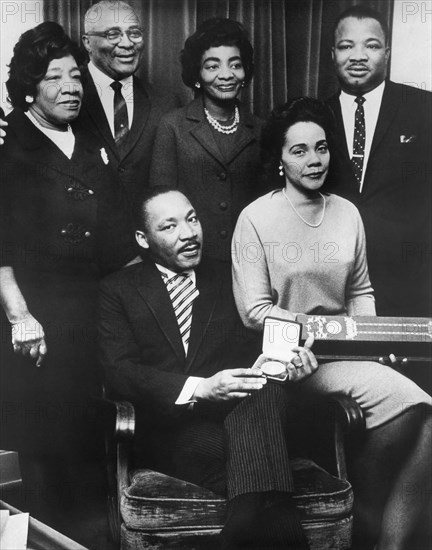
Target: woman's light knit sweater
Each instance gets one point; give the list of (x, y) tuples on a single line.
[(282, 266)]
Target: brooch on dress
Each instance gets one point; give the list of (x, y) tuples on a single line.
[(104, 155)]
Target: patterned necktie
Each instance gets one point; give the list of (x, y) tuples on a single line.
[(121, 121), (182, 292), (359, 140)]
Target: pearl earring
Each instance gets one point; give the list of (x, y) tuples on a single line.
[(197, 85), (29, 99), (281, 170)]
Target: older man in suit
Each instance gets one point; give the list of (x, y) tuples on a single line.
[(117, 106), (381, 161), (172, 343)]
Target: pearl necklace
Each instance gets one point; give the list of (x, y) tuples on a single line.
[(219, 127), (301, 217)]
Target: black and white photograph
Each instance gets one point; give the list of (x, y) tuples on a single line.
[(216, 275)]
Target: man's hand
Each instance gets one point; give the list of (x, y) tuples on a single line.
[(28, 339), (304, 363), (230, 384)]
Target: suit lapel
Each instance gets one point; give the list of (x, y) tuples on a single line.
[(203, 133), (95, 112), (387, 112), (201, 130), (244, 135), (341, 144), (140, 117), (152, 290), (203, 309)]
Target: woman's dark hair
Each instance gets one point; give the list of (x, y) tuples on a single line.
[(300, 109), (32, 54), (212, 34)]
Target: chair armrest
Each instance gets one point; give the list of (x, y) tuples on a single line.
[(349, 424), (349, 413), (119, 419), (335, 422)]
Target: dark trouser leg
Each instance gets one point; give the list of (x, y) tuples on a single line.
[(257, 449), (391, 475), (261, 513)]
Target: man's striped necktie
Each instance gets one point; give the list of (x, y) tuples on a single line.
[(121, 119), (182, 292)]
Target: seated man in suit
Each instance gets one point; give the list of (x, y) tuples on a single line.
[(172, 343)]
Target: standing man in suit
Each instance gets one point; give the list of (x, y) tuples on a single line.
[(381, 161), (172, 343), (117, 107)]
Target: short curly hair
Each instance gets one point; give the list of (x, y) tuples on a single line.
[(213, 33), (300, 109), (32, 54)]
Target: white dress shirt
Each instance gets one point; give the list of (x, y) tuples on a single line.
[(185, 396), (106, 94), (371, 108)]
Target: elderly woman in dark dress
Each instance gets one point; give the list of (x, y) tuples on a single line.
[(209, 149), (62, 225)]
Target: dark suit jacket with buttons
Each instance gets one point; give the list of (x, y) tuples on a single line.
[(132, 163), (141, 349), (186, 156), (395, 202), (52, 206)]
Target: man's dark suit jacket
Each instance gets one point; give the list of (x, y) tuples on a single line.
[(132, 163), (141, 349), (395, 202)]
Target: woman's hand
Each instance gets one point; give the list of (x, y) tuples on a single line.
[(230, 384), (28, 339), (304, 363)]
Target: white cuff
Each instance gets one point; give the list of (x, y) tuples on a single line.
[(188, 390)]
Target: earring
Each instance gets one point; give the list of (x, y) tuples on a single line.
[(197, 85), (243, 85), (281, 170), (29, 99)]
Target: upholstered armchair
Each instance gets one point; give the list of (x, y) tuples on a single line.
[(150, 510)]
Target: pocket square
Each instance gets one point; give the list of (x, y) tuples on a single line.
[(407, 139)]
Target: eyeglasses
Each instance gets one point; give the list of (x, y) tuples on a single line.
[(114, 36)]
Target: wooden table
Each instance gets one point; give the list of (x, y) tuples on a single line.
[(42, 537)]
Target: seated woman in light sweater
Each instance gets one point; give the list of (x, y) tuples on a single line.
[(298, 250)]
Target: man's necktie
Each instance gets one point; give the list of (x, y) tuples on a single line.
[(359, 140), (121, 121), (182, 292)]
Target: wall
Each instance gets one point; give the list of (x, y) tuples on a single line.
[(15, 18), (412, 43)]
